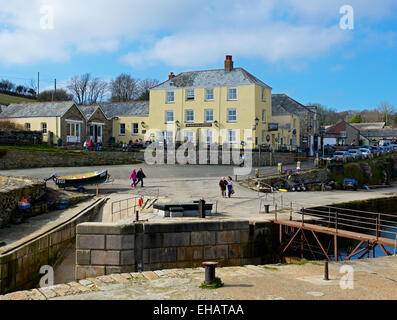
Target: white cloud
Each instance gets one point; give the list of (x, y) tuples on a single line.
[(176, 32), (273, 43)]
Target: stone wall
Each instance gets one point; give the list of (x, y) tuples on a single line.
[(104, 249), (14, 189), (317, 176), (20, 137), (18, 159), (20, 267)]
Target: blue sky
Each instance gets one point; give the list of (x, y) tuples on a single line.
[(295, 46)]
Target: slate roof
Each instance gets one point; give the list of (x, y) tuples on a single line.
[(125, 109), (379, 133), (284, 105), (36, 110), (369, 125), (210, 79)]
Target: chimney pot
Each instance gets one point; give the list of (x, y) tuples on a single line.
[(229, 64)]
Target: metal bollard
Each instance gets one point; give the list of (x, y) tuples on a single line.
[(210, 271), (267, 208), (137, 216), (326, 275)]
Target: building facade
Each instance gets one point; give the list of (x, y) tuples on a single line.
[(212, 106)]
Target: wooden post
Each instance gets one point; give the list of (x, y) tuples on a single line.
[(97, 190), (275, 208), (290, 213)]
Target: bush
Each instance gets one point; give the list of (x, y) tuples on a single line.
[(7, 124)]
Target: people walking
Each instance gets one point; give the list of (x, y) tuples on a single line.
[(141, 175), (230, 187), (133, 177), (223, 186)]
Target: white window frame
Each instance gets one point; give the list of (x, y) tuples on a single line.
[(188, 136), (44, 128), (209, 112), (190, 95), (168, 112), (263, 95), (189, 116), (27, 126), (232, 134), (168, 94), (263, 137), (263, 116), (294, 125), (207, 95), (135, 129), (125, 129), (231, 97), (228, 115), (208, 136)]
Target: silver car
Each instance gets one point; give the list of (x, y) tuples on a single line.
[(356, 154)]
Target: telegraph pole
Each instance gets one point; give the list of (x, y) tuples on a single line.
[(38, 84)]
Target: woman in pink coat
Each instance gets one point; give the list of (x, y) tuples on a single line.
[(134, 179)]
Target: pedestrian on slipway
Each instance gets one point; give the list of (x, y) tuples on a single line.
[(133, 177), (223, 186), (230, 187), (141, 175)]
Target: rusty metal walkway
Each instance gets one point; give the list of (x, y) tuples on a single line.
[(336, 222)]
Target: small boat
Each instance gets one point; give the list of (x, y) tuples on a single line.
[(79, 180), (23, 204)]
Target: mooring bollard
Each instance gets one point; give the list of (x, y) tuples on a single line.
[(326, 276), (267, 208), (210, 272)]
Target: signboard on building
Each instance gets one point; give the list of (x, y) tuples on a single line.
[(199, 125), (273, 126)]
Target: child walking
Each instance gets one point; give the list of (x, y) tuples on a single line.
[(134, 178)]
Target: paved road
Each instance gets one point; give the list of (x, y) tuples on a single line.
[(371, 279), (153, 172)]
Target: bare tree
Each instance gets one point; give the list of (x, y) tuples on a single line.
[(145, 86), (387, 110), (124, 88), (79, 86), (97, 89)]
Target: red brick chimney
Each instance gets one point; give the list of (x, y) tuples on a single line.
[(229, 64), (171, 76)]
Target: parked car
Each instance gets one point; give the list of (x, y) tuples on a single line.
[(356, 154), (350, 184), (338, 156), (375, 150), (365, 152)]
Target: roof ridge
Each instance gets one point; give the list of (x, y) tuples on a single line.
[(131, 101), (41, 102)]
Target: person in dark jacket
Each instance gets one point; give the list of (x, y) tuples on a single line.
[(223, 186), (141, 175)]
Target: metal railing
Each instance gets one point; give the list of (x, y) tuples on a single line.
[(377, 224)]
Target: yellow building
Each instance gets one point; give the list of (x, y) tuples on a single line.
[(130, 120), (298, 125), (212, 106), (56, 120)]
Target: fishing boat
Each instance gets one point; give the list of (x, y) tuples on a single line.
[(79, 180)]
